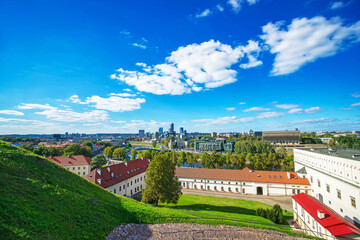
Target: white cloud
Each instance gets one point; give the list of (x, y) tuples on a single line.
[(251, 2), (11, 112), (220, 7), (17, 120), (311, 121), (355, 104), (355, 95), (313, 110), (25, 126), (35, 106), (296, 110), (76, 99), (71, 116), (222, 121), (253, 109), (191, 68), (306, 40), (115, 103), (139, 45), (118, 121), (337, 5), (204, 13), (123, 94), (235, 5), (287, 106), (346, 109), (127, 89), (242, 103), (125, 32), (230, 109), (264, 115)]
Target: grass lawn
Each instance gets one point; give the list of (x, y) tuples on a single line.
[(145, 144)]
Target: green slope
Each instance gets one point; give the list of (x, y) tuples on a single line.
[(40, 200)]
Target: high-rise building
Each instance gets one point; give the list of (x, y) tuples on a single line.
[(171, 130), (181, 130), (141, 133), (161, 130)]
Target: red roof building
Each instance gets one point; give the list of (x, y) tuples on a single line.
[(124, 178), (78, 164), (320, 220)]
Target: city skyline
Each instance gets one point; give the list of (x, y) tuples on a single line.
[(207, 66)]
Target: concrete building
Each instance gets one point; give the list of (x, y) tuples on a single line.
[(123, 179), (244, 181), (161, 130), (319, 220), (208, 146), (213, 134), (172, 129), (77, 164), (181, 130), (282, 138), (334, 175), (141, 133)]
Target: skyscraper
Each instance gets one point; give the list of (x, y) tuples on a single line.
[(141, 133), (171, 130), (181, 130), (161, 130)]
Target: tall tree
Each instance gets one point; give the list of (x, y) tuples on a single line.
[(161, 183), (133, 154), (98, 161)]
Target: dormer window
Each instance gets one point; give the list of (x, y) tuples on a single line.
[(126, 164), (108, 169), (99, 171), (99, 181), (112, 174), (127, 171)]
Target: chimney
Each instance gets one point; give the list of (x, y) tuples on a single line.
[(320, 214), (288, 175)]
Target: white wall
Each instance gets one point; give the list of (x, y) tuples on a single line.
[(243, 187), (130, 186), (80, 170)]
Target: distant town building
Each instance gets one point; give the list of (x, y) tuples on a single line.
[(219, 144), (244, 181), (141, 133), (161, 130), (77, 164), (213, 134), (334, 175), (172, 129), (326, 140), (181, 130), (319, 220), (123, 179), (258, 134), (282, 137)]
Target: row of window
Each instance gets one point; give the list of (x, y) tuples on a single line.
[(215, 188), (338, 192), (222, 182)]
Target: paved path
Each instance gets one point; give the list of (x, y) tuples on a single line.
[(284, 201)]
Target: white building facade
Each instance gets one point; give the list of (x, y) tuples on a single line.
[(244, 181), (125, 179), (77, 164), (335, 180)]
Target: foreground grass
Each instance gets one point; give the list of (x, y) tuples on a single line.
[(41, 200), (145, 144)]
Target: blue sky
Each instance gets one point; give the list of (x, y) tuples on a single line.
[(223, 66)]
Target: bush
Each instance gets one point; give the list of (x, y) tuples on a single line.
[(274, 214)]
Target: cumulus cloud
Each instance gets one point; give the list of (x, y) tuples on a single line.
[(191, 68), (355, 95), (312, 110), (204, 13), (355, 104), (306, 40), (237, 4), (253, 109), (127, 89), (71, 116), (11, 112), (35, 106), (338, 5), (270, 115), (117, 102), (230, 109), (296, 110), (242, 103), (286, 106), (220, 7), (311, 121)]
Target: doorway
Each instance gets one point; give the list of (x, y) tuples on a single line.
[(259, 191)]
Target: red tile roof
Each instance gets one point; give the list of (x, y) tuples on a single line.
[(241, 175), (116, 173), (333, 222), (71, 160)]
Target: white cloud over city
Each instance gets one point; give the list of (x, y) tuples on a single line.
[(11, 112)]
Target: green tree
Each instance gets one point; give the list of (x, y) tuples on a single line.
[(153, 144), (98, 161), (161, 183), (120, 153), (133, 154), (72, 149), (86, 151)]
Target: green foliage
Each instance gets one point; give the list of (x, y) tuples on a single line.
[(347, 142), (98, 161), (133, 154), (153, 144), (50, 151), (275, 214), (161, 183), (120, 154), (75, 149)]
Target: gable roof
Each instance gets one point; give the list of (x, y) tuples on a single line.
[(116, 173), (71, 160), (242, 175), (333, 222)]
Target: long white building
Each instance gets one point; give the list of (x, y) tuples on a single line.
[(244, 181), (123, 179), (334, 176)]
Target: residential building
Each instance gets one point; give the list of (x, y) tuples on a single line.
[(244, 181), (287, 138), (334, 175), (213, 134), (141, 133), (125, 179), (208, 146), (318, 220), (77, 164), (181, 130)]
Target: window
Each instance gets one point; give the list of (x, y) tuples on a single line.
[(119, 188), (319, 184), (293, 191), (338, 193), (131, 183), (269, 176), (353, 202), (84, 167), (127, 184), (83, 173), (78, 168), (124, 186), (311, 179), (140, 178), (115, 190), (328, 188), (73, 168), (78, 173)]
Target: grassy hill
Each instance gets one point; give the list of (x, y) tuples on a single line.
[(41, 200)]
